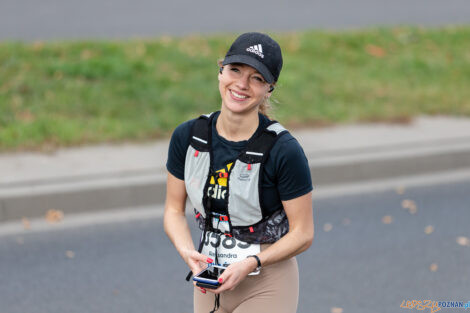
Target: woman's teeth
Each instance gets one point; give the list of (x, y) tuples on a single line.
[(236, 95)]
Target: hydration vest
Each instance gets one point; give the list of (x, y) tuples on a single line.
[(244, 215)]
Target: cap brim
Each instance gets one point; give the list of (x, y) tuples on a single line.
[(245, 59)]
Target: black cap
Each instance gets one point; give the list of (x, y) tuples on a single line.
[(258, 51)]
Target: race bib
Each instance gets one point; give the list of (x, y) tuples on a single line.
[(229, 250)]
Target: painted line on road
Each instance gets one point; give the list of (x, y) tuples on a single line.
[(40, 225), (156, 212), (438, 178)]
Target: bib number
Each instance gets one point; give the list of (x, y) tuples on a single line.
[(229, 250)]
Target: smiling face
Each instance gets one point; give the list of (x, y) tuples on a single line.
[(242, 88)]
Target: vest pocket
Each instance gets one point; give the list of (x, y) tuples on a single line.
[(243, 202)]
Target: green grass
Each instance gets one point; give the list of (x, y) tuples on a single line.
[(71, 93)]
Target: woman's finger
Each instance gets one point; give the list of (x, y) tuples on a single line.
[(201, 257)]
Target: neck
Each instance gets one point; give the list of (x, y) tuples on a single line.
[(237, 127)]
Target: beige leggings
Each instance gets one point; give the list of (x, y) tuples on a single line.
[(274, 290)]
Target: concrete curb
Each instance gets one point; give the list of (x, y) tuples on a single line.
[(147, 187)]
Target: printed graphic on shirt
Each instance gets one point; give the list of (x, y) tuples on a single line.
[(218, 189)]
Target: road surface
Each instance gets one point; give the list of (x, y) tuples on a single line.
[(67, 19), (357, 262)]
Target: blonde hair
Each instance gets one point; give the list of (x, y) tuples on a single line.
[(265, 107)]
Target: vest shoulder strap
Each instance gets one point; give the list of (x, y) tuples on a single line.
[(201, 132), (257, 150)]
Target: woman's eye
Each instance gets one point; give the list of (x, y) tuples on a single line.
[(234, 69), (258, 78)]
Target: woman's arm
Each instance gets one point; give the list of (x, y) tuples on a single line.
[(301, 230), (300, 236), (176, 226)]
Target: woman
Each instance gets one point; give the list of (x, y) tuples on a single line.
[(250, 184)]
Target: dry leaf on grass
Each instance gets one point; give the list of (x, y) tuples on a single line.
[(428, 229), (387, 219), (375, 51), (433, 267), (463, 241), (86, 54), (336, 310), (327, 227), (38, 45), (54, 216)]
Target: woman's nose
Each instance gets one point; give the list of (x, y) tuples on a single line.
[(243, 82)]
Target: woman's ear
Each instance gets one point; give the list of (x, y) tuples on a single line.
[(221, 69)]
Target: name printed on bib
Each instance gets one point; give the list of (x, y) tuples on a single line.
[(229, 249)]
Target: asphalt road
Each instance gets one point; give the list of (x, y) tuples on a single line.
[(360, 265), (66, 19)]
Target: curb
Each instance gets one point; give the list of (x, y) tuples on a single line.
[(148, 187)]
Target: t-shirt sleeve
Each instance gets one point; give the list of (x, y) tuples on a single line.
[(177, 149), (293, 172)]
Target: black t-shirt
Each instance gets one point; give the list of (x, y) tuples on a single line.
[(286, 174)]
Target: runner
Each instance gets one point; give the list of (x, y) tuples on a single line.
[(249, 182)]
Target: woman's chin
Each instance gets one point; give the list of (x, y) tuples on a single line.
[(238, 108)]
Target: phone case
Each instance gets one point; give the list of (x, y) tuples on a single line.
[(205, 285)]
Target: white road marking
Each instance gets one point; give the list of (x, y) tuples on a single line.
[(156, 212)]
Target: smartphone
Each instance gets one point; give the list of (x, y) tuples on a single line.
[(208, 278)]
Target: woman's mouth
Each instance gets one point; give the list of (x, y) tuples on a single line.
[(237, 96)]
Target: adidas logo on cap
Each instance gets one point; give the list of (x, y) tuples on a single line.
[(256, 49)]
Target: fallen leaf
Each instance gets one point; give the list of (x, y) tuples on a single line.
[(86, 54), (327, 227), (346, 221), (70, 254), (336, 310), (428, 229), (54, 216), (387, 219), (463, 241), (375, 51), (409, 205), (38, 45), (25, 116), (26, 223), (400, 190), (433, 267)]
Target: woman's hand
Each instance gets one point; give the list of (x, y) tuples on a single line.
[(235, 274), (196, 261)]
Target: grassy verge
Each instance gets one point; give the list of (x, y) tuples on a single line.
[(69, 93)]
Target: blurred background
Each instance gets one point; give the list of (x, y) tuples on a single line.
[(375, 91)]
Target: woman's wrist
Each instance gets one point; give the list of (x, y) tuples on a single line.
[(185, 254), (252, 262)]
